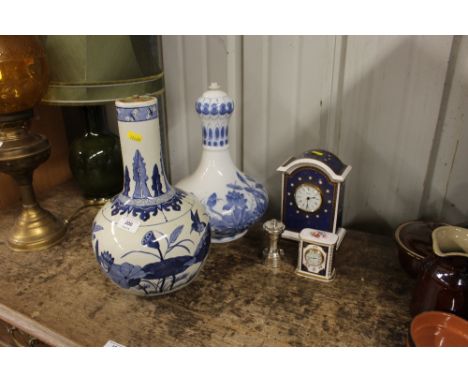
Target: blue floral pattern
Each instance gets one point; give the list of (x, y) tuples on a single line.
[(222, 108), (139, 176), (122, 206), (215, 136), (153, 203), (160, 276), (234, 216), (151, 238), (137, 114), (96, 228), (197, 225), (215, 112)]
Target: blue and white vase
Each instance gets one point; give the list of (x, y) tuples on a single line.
[(233, 200), (152, 238)]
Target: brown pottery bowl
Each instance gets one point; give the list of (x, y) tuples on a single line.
[(414, 241), (436, 329)]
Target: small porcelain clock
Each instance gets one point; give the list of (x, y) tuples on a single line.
[(313, 193), (315, 259)]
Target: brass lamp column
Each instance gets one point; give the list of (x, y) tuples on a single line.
[(21, 152), (23, 80)]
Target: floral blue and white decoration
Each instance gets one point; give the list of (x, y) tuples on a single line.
[(143, 203), (137, 114), (171, 264), (233, 200), (241, 206), (152, 238)]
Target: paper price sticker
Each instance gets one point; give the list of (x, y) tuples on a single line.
[(134, 136), (113, 344), (128, 224)]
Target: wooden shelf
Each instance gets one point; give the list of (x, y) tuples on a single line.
[(61, 297)]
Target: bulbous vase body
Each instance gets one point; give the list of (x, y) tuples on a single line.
[(152, 238), (233, 200)]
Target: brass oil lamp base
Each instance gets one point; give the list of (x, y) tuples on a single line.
[(20, 153), (35, 229)]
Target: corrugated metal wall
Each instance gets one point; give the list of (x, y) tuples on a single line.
[(392, 107)]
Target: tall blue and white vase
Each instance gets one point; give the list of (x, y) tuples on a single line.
[(152, 238), (233, 200)]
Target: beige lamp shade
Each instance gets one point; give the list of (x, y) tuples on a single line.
[(91, 70)]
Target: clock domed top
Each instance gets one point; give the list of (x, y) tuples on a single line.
[(328, 158), (328, 162)]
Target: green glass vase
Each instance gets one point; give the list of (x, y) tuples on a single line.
[(96, 159)]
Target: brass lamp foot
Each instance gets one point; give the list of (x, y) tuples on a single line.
[(20, 153), (35, 229)]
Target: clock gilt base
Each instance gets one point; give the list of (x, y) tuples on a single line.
[(291, 235), (315, 277)]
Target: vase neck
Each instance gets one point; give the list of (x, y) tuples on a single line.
[(144, 174), (216, 158), (94, 120), (215, 108), (215, 136)]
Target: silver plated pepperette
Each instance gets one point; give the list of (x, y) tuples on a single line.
[(272, 255)]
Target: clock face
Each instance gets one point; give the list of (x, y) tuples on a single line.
[(308, 197), (314, 258), (320, 210)]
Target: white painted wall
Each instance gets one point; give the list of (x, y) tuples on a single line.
[(391, 106), (447, 181), (191, 63)]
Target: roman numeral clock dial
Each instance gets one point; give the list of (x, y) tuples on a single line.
[(308, 198)]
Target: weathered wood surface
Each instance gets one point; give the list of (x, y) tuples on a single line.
[(31, 333), (235, 301)]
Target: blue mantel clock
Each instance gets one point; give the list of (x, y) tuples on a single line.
[(313, 193)]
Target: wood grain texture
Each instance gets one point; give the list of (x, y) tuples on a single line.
[(235, 301), (47, 120), (33, 329)]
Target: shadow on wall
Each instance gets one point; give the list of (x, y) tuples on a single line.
[(454, 214), (386, 112)]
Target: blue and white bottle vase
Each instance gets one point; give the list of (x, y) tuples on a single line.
[(233, 200), (152, 238)]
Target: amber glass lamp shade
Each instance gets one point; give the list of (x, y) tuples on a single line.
[(23, 73)]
